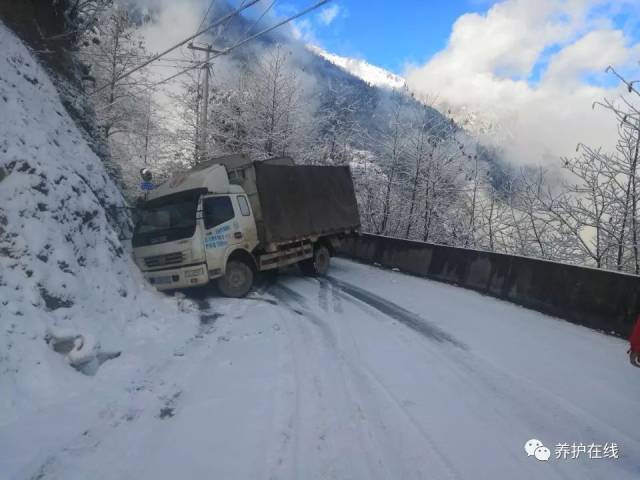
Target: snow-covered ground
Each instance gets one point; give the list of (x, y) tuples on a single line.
[(367, 374)]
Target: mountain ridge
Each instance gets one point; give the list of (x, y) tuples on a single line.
[(371, 74)]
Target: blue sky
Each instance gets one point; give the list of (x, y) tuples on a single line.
[(529, 68), (386, 33), (393, 34)]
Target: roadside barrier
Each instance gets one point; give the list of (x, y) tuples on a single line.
[(600, 299)]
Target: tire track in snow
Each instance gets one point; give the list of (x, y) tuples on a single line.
[(395, 311), (332, 360), (368, 376), (286, 295), (291, 434), (336, 297), (365, 390), (323, 295), (285, 421), (452, 361), (501, 390)]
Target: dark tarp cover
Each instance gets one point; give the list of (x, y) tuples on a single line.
[(302, 200)]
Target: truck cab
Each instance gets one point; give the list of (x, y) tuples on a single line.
[(187, 232)]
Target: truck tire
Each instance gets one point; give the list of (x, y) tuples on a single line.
[(237, 279), (318, 265)]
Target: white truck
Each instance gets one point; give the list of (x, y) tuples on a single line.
[(229, 218)]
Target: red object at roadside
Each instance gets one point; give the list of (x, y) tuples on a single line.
[(634, 340)]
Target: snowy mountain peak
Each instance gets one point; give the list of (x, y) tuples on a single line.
[(371, 74)]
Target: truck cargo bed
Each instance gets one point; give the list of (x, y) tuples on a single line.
[(298, 201)]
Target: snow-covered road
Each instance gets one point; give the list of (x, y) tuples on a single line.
[(367, 374)]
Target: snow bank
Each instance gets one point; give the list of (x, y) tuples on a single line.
[(62, 266)]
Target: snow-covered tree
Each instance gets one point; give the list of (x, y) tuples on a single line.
[(586, 208), (131, 120), (113, 48), (263, 110)]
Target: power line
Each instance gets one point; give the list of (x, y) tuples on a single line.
[(246, 40), (136, 57), (229, 21), (226, 50), (186, 40), (209, 9), (260, 17), (206, 14)]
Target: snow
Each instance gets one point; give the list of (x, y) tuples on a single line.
[(367, 374), (64, 275), (476, 123), (371, 74)]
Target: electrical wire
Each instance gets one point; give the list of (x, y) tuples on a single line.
[(183, 42), (224, 52), (252, 26), (135, 57), (246, 40), (206, 14)]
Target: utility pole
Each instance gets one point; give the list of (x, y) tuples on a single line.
[(146, 130), (201, 144)]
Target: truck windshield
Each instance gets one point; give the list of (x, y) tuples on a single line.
[(166, 219)]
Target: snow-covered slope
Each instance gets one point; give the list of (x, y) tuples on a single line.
[(64, 274), (476, 124), (374, 76)]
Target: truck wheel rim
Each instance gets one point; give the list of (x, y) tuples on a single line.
[(236, 279)]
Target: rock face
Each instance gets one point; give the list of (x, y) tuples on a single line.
[(62, 218)]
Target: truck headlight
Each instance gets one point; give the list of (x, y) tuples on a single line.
[(193, 273)]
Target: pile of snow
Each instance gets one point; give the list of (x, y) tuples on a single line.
[(372, 75), (64, 274)]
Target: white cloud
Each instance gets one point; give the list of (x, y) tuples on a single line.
[(329, 14), (303, 30), (488, 64), (589, 53), (173, 22)]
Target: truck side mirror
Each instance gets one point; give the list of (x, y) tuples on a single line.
[(146, 174)]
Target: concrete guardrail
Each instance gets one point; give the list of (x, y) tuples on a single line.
[(599, 299)]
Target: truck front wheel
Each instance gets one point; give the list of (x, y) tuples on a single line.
[(318, 264), (237, 279)]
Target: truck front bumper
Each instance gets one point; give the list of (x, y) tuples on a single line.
[(179, 277)]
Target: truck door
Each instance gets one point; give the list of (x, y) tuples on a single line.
[(220, 231)]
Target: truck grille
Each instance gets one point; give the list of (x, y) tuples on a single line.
[(162, 260)]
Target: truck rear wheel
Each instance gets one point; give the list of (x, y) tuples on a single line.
[(319, 264), (237, 279)]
